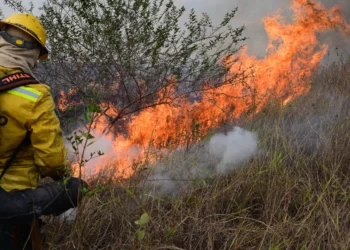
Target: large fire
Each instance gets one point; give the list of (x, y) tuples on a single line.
[(292, 54)]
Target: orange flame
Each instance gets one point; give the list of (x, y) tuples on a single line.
[(64, 100), (292, 54)]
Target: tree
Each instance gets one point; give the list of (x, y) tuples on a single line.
[(19, 6), (136, 51), (134, 54)]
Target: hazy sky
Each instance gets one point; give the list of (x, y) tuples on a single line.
[(250, 14)]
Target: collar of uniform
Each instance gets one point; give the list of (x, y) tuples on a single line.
[(7, 71)]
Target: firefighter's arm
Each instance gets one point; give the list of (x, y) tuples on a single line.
[(47, 139)]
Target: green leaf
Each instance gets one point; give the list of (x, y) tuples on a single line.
[(144, 219), (171, 231), (87, 116), (69, 138), (92, 108), (141, 234), (87, 135), (84, 190)]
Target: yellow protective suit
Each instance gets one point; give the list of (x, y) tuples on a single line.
[(30, 110)]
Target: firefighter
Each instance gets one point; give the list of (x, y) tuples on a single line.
[(29, 129)]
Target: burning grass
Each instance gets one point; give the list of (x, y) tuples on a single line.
[(293, 194), (293, 53)]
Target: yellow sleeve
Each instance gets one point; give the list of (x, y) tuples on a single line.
[(46, 137)]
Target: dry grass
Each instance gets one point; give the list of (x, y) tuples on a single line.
[(294, 195)]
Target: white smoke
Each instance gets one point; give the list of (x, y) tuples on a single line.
[(69, 216), (223, 152), (233, 149), (103, 144), (100, 143), (182, 168), (251, 13)]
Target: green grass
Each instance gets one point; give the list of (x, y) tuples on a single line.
[(294, 194)]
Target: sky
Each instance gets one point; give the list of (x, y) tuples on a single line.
[(250, 13)]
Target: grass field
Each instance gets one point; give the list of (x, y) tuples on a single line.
[(293, 194)]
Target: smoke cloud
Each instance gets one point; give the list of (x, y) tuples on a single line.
[(233, 149), (100, 143), (223, 152), (251, 13)]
